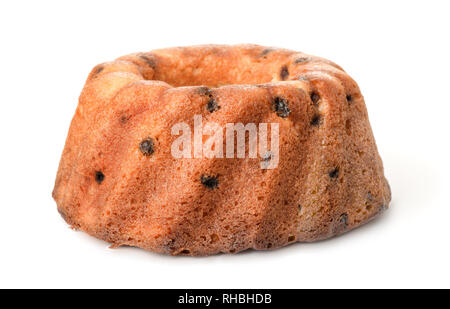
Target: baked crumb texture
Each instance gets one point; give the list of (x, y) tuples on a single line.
[(118, 181)]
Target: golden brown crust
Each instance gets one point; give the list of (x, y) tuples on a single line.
[(114, 186)]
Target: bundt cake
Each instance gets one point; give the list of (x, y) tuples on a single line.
[(120, 180)]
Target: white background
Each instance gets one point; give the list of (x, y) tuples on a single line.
[(397, 51)]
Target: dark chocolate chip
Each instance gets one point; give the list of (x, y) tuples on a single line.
[(149, 61), (349, 98), (212, 105), (265, 160), (99, 69), (210, 182), (280, 105), (315, 97), (343, 219), (334, 173), (99, 177), (284, 72), (266, 51), (299, 207), (124, 119), (147, 146), (315, 121), (204, 91), (302, 59), (267, 156)]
